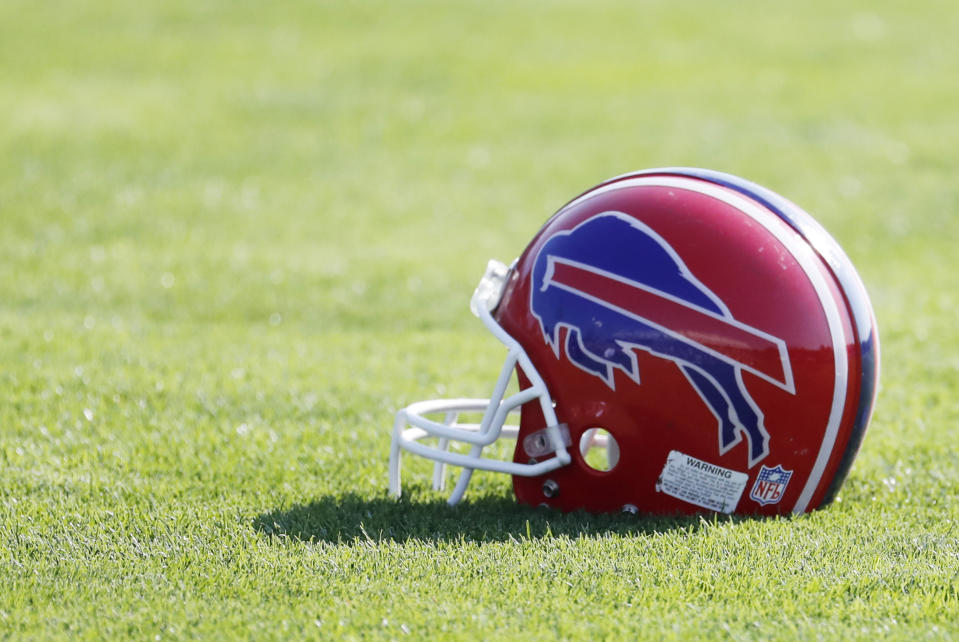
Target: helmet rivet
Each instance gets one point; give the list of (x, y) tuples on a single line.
[(550, 489)]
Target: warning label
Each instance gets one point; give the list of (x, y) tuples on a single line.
[(701, 483)]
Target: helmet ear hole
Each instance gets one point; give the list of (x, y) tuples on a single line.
[(599, 449)]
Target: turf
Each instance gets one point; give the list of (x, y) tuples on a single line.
[(236, 236)]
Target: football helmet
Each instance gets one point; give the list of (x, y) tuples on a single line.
[(683, 340)]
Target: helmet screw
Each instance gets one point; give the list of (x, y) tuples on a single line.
[(550, 489)]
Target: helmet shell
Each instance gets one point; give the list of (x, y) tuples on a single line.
[(713, 328)]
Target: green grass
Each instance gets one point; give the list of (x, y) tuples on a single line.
[(236, 236)]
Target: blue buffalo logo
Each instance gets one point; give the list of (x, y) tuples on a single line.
[(617, 287)]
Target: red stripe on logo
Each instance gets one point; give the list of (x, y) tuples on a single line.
[(742, 344)]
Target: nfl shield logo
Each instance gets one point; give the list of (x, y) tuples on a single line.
[(770, 485)]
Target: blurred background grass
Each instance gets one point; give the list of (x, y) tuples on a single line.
[(312, 151)]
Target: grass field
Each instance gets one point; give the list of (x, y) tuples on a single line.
[(236, 236)]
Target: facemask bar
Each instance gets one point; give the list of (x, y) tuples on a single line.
[(495, 411)]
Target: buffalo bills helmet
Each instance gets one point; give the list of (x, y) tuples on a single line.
[(683, 340)]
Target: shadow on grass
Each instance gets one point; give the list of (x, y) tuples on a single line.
[(348, 517)]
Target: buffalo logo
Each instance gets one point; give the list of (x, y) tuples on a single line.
[(617, 286)]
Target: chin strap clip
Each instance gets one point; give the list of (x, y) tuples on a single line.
[(549, 440)]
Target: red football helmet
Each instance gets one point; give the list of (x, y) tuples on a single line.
[(683, 340)]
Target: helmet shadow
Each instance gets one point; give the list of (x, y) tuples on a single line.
[(352, 517)]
